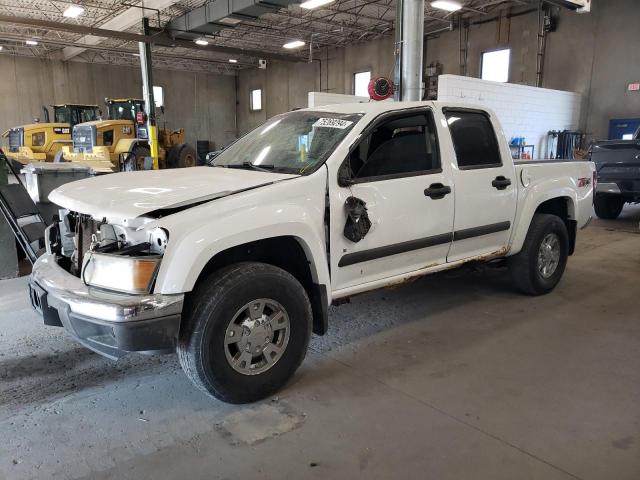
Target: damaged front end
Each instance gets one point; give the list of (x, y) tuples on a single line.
[(97, 279), (113, 256)]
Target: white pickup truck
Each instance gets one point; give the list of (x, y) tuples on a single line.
[(235, 264)]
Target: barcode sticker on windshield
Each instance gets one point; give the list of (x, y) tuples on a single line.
[(332, 123)]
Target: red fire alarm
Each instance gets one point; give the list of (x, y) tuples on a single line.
[(633, 87)]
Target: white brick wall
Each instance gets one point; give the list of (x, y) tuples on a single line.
[(523, 111)]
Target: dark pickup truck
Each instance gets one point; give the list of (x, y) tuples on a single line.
[(618, 166)]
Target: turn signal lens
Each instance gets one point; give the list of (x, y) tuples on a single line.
[(120, 273)]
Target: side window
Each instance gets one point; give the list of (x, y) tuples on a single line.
[(474, 139), (399, 146)]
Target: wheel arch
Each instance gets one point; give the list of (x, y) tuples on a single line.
[(126, 145), (562, 205), (290, 253)]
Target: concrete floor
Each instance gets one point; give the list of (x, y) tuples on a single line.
[(454, 376)]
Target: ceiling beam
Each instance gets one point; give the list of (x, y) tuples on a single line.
[(130, 17), (158, 37)]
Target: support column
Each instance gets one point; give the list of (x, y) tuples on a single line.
[(147, 91), (410, 43)]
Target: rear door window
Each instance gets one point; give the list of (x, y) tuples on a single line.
[(474, 139)]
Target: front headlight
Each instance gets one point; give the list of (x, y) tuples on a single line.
[(120, 273), (37, 139)]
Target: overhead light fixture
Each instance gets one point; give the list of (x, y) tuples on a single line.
[(1, 48), (294, 44), (233, 60), (73, 11), (311, 4), (32, 43), (202, 41), (448, 5)]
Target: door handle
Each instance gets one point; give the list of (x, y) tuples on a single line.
[(501, 182), (437, 191)]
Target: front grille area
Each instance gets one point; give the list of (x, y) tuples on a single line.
[(84, 138), (16, 139)]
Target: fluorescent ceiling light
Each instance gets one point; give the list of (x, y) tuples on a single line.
[(1, 47), (201, 41), (311, 4), (31, 42), (233, 60), (73, 11), (448, 5), (294, 44)]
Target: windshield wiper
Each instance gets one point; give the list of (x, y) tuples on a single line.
[(245, 165)]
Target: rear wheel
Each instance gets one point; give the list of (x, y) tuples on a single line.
[(182, 156), (246, 331), (538, 267), (608, 207)]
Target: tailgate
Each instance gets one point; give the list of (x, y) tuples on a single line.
[(618, 162)]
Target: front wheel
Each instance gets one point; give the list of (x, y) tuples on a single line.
[(246, 331), (538, 267), (608, 207), (135, 159)]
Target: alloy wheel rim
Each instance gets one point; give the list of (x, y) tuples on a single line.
[(549, 255), (257, 336)]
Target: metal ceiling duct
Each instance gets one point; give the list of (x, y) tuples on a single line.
[(219, 14), (580, 6)]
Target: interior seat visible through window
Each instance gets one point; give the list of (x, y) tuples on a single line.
[(403, 145)]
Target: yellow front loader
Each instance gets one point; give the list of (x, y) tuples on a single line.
[(122, 142), (43, 141)]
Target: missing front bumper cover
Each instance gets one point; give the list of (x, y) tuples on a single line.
[(108, 323)]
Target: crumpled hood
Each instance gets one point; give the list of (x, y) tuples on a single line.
[(131, 194)]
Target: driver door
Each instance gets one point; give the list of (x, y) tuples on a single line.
[(396, 170)]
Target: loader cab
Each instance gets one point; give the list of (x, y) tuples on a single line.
[(124, 109), (74, 114)]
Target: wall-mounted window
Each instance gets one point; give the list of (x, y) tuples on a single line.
[(495, 65), (158, 96), (255, 100), (361, 83)]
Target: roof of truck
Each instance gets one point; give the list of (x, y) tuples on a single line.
[(388, 105)]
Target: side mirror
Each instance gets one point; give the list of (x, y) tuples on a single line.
[(344, 175)]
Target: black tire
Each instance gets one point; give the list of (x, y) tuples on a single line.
[(210, 310), (59, 157), (608, 207), (524, 265), (135, 159), (182, 156)]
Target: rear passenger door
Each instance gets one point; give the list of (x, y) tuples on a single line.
[(485, 200), (395, 169)]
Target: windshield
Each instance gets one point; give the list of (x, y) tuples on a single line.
[(125, 110), (75, 115), (295, 142)]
